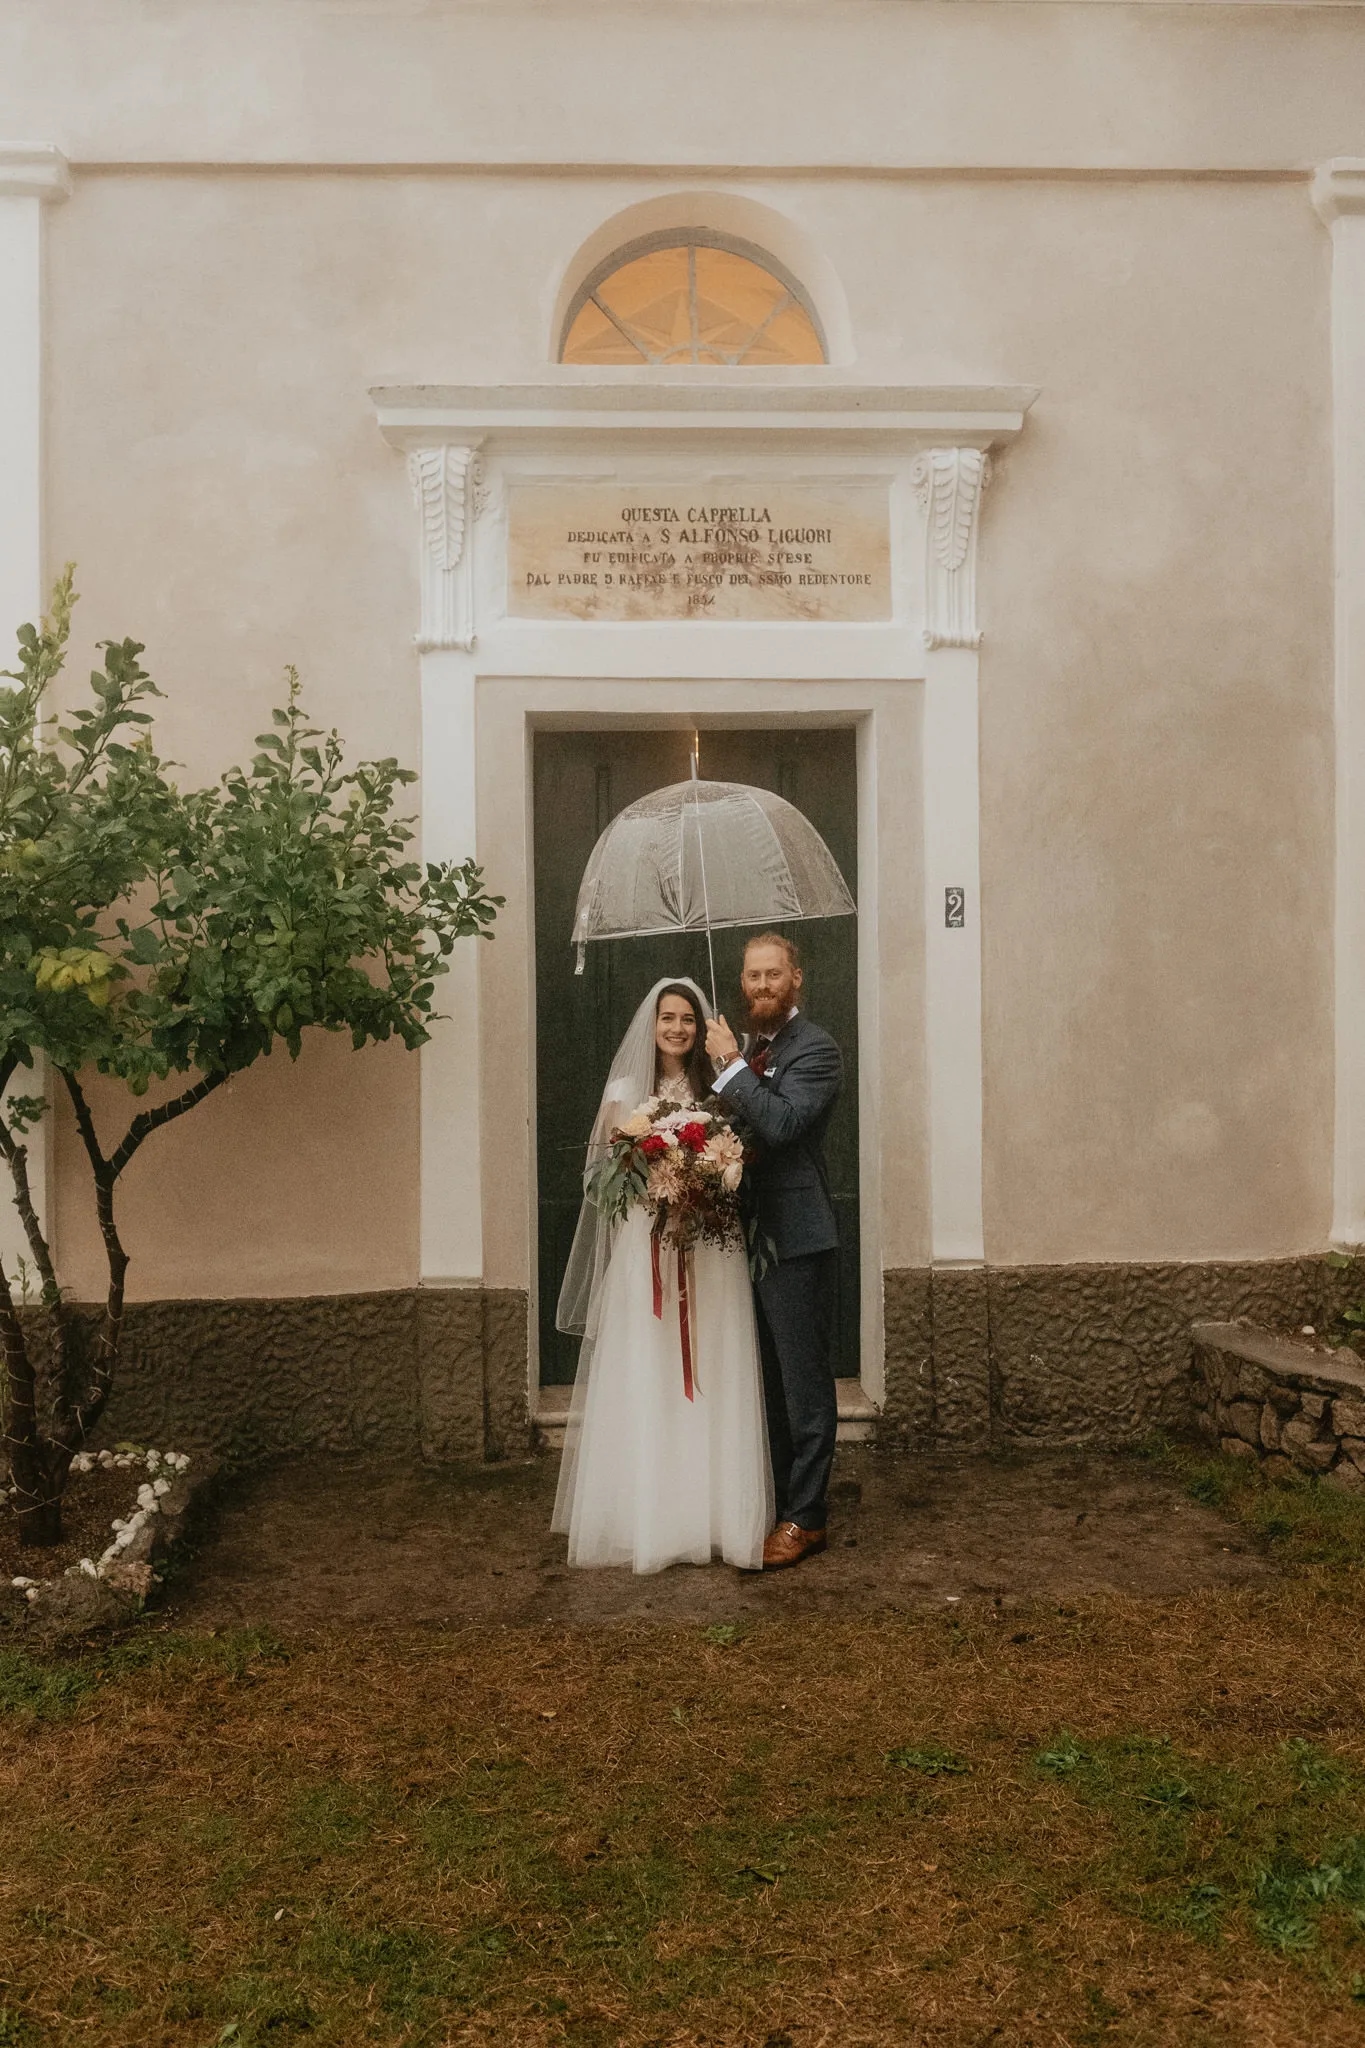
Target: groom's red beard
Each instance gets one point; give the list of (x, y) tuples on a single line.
[(765, 1011)]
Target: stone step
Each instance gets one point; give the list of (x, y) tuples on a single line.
[(857, 1414), (1289, 1405)]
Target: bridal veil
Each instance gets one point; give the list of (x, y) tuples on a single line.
[(630, 1082)]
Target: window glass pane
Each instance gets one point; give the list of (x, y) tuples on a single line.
[(692, 304), (747, 293), (593, 339), (650, 297), (788, 337)]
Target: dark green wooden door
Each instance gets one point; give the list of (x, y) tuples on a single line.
[(582, 779)]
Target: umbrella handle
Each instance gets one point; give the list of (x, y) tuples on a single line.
[(701, 856)]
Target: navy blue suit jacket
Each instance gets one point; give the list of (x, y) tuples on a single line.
[(787, 1112)]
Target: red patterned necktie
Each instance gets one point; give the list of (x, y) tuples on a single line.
[(759, 1057)]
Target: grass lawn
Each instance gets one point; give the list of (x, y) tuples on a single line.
[(1114, 1823)]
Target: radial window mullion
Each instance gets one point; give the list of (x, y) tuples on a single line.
[(660, 309), (692, 300), (624, 329)]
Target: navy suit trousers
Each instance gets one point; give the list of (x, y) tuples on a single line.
[(795, 1300)]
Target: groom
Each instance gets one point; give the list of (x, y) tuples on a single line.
[(784, 1086)]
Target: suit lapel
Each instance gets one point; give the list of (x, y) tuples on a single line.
[(781, 1042)]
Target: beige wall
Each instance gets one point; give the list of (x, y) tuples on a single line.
[(1155, 83), (1156, 727), (293, 1179), (1156, 767), (216, 475)]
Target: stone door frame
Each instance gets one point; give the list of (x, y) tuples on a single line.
[(908, 683)]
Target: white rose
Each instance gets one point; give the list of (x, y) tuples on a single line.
[(732, 1175)]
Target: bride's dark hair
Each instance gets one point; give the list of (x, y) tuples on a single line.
[(701, 1075)]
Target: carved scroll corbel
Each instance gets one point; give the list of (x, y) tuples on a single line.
[(443, 483), (949, 482)]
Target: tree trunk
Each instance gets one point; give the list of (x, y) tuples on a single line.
[(38, 1473), (81, 1370), (40, 1523), (39, 1515), (37, 1468)]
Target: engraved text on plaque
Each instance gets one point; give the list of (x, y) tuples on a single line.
[(619, 551)]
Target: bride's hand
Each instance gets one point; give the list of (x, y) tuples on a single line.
[(721, 1043)]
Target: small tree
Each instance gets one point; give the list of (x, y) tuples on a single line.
[(146, 932)]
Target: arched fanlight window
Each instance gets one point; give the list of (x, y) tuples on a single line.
[(686, 296)]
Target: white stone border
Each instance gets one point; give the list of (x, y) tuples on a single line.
[(113, 1564)]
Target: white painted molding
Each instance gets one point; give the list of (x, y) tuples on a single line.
[(33, 170), (708, 405), (952, 962), (572, 424), (450, 1241), (950, 483), (1339, 196), (32, 176), (1339, 188), (443, 481)]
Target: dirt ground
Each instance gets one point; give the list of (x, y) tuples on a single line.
[(92, 1501), (373, 1542), (388, 1773)]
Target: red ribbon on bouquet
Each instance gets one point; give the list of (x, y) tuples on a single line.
[(684, 1307)]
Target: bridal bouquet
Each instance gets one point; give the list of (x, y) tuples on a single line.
[(684, 1164)]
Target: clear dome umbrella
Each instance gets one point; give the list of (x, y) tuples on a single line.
[(704, 856)]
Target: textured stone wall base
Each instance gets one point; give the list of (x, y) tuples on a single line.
[(432, 1372), (1046, 1355), (1055, 1355)]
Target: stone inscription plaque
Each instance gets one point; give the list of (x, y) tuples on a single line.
[(593, 551)]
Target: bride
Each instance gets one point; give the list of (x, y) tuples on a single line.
[(651, 1478)]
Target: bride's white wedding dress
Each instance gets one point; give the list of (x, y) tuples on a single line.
[(650, 1478)]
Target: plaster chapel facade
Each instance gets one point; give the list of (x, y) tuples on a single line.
[(949, 414)]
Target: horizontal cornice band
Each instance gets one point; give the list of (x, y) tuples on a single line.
[(1237, 174)]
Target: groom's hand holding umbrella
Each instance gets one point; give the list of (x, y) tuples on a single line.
[(721, 1043)]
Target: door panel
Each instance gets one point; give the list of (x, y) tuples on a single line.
[(582, 779)]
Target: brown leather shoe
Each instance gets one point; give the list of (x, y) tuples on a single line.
[(789, 1543)]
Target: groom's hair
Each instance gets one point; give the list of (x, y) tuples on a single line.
[(789, 947)]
